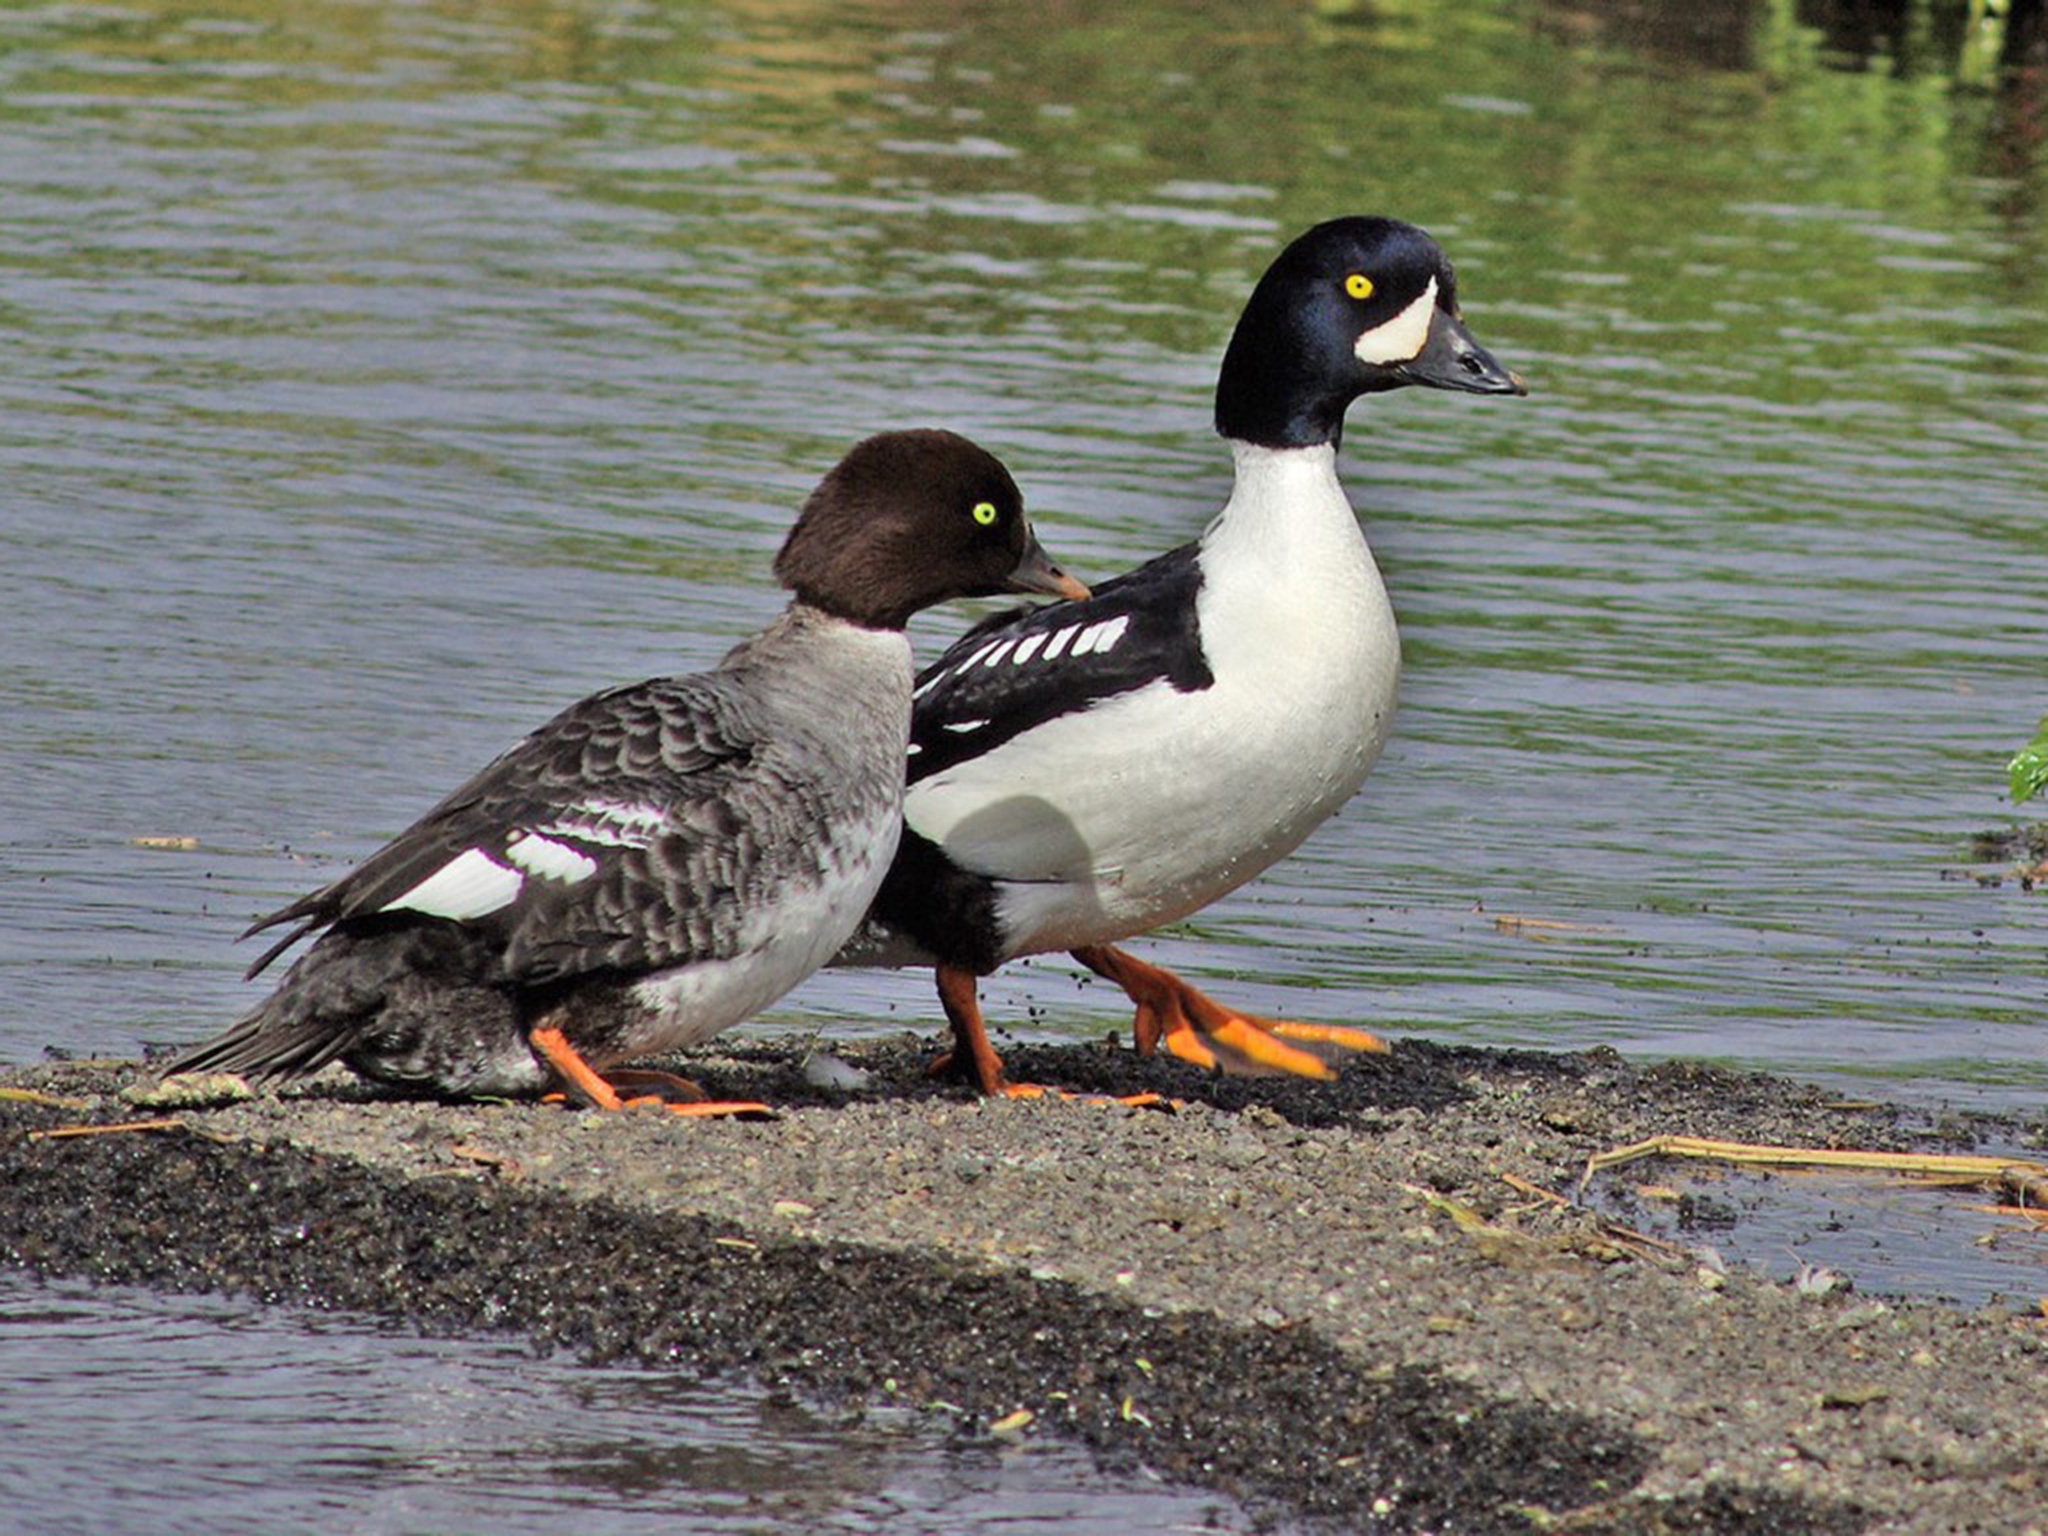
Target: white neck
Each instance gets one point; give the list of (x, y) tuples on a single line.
[(1287, 574), (1286, 508)]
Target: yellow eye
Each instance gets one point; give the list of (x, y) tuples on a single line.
[(1358, 285), (985, 513)]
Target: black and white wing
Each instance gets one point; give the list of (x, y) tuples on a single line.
[(606, 840), (1017, 671)]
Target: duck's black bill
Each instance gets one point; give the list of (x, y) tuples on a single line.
[(1451, 359), (1035, 572)]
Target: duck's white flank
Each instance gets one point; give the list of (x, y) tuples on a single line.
[(848, 722), (780, 946)]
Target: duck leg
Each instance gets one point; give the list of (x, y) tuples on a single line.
[(972, 1057), (677, 1095), (975, 1060), (1198, 1029)]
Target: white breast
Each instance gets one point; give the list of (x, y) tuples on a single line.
[(1149, 806)]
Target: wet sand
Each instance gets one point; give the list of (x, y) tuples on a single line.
[(1326, 1299)]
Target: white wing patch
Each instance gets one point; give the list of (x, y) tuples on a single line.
[(543, 856), (939, 677), (1098, 638), (472, 884), (1401, 339)]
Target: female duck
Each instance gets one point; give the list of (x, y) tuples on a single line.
[(658, 861)]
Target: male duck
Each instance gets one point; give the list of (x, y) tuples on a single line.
[(660, 860), (1091, 770)]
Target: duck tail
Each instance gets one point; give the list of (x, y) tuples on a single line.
[(325, 1006), (281, 1038)]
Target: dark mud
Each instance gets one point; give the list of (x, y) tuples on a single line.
[(2020, 852), (1326, 1299)]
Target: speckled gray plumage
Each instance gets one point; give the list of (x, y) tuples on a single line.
[(777, 778), (659, 861)]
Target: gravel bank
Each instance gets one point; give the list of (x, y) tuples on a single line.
[(1324, 1298)]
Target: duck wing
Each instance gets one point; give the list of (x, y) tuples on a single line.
[(1017, 671), (611, 838)]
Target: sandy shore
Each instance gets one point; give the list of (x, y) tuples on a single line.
[(1324, 1298)]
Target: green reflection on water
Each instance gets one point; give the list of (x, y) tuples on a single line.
[(1608, 194)]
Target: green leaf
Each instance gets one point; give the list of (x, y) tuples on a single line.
[(2027, 773)]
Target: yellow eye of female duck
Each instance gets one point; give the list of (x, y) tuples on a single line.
[(985, 513), (1358, 285)]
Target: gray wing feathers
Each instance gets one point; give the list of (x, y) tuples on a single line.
[(701, 890), (674, 821), (652, 743), (692, 801)]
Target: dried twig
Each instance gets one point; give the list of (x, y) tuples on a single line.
[(48, 1100), (115, 1129), (1948, 1167), (1637, 1244), (1516, 1181)]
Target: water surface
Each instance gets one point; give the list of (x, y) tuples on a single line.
[(384, 377), (301, 1421)]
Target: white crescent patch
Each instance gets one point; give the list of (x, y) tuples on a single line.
[(1401, 339)]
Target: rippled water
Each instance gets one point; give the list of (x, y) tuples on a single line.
[(434, 1435), (382, 376), (385, 376)]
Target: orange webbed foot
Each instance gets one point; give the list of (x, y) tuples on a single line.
[(649, 1089), (974, 1059), (1180, 1019)]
